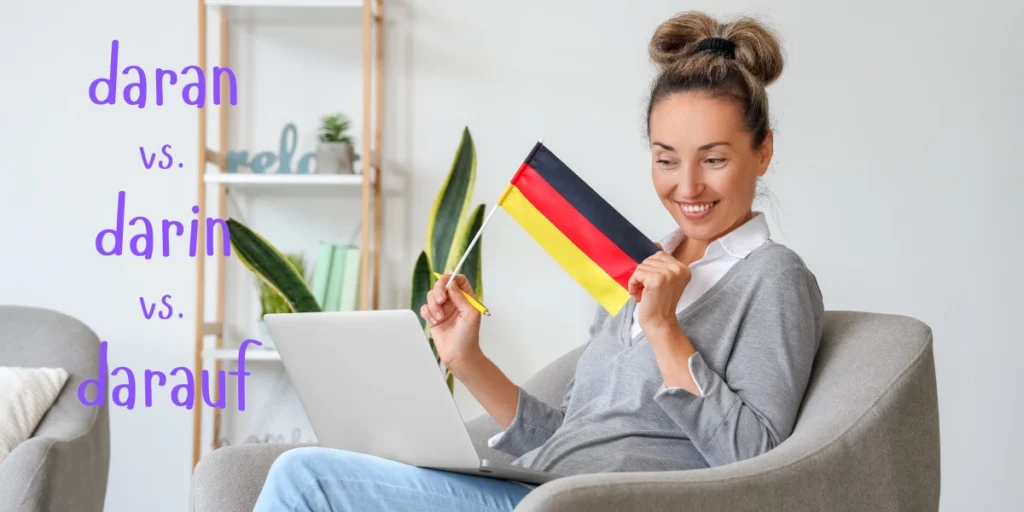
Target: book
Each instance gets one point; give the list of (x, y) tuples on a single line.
[(350, 284), (322, 272), (335, 280)]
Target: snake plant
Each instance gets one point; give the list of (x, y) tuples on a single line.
[(452, 224), (272, 268), (270, 300)]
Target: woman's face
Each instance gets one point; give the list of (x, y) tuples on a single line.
[(704, 168)]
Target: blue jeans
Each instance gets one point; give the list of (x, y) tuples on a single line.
[(324, 479)]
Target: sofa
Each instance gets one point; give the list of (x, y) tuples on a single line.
[(866, 438), (64, 465)]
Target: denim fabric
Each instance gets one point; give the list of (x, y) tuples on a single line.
[(322, 479)]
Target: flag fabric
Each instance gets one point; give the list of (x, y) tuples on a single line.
[(588, 238)]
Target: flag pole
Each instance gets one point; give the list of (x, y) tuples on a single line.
[(476, 237), (469, 248)]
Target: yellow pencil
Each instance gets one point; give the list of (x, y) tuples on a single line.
[(475, 303)]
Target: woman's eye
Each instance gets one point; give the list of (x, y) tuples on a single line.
[(715, 161), (663, 162)]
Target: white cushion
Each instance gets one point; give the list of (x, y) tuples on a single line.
[(25, 396)]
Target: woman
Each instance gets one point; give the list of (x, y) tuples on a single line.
[(705, 365)]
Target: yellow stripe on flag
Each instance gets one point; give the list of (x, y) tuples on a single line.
[(609, 293)]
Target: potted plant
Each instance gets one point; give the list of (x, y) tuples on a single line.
[(451, 225), (283, 289), (273, 302), (335, 153)]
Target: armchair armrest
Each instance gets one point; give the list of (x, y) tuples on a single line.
[(229, 479), (48, 473)]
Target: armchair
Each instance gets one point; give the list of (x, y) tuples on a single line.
[(867, 438), (63, 466)]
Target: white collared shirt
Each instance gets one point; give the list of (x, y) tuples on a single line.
[(719, 257)]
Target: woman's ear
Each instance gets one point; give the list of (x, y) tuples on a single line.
[(765, 152)]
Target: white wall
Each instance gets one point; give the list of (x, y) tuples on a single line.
[(63, 162), (895, 171)]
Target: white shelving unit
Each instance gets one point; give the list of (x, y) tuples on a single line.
[(365, 187)]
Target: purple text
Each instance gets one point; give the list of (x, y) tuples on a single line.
[(103, 90), (143, 242), (182, 395)]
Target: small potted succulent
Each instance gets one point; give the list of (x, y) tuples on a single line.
[(334, 151)]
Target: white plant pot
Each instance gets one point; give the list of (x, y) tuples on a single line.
[(264, 336), (334, 158)]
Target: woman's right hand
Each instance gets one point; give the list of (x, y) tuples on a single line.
[(454, 322), (456, 333)]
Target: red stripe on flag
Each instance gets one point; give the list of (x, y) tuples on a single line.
[(574, 225), (518, 172)]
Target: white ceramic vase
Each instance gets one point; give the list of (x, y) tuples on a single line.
[(334, 158)]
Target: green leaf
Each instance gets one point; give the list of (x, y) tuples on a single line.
[(452, 203), (271, 267), (422, 281), (270, 300), (333, 126), (449, 231), (433, 348), (473, 267)]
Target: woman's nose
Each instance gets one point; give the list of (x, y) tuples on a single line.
[(690, 181)]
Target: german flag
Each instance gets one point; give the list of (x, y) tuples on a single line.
[(592, 241)]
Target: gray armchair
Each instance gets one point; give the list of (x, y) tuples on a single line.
[(867, 438), (63, 466)]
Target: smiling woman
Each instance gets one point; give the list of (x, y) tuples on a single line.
[(704, 364), (708, 122)]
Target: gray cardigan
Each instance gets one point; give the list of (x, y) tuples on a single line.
[(756, 333)]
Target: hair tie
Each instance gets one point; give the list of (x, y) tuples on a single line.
[(717, 46)]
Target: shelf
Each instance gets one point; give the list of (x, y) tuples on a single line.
[(277, 181), (350, 4), (292, 11), (251, 354)]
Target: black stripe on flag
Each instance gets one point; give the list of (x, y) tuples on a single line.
[(590, 204)]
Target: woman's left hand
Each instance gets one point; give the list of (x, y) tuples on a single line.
[(656, 285)]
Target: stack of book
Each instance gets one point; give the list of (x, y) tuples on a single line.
[(336, 277)]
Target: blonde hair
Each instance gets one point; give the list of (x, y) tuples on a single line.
[(736, 59)]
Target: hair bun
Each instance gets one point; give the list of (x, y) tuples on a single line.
[(757, 48), (751, 44), (674, 39)]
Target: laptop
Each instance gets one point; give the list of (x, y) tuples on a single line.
[(369, 383)]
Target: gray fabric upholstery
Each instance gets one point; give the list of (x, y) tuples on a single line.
[(63, 466), (867, 438), (229, 479)]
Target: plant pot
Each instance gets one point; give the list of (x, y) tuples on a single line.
[(264, 336), (334, 158)]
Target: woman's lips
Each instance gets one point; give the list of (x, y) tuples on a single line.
[(696, 211)]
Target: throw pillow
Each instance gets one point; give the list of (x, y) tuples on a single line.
[(25, 396)]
